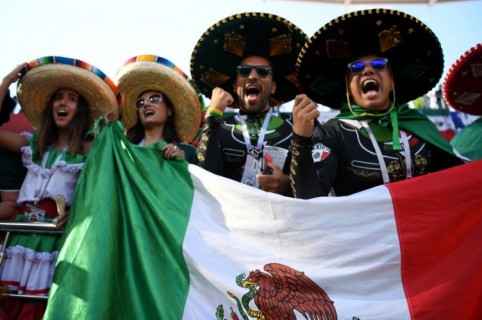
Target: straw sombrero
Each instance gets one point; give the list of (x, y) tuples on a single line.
[(149, 72), (462, 87), (225, 44), (46, 75), (414, 53)]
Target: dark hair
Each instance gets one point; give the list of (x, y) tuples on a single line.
[(48, 131), (136, 133), (8, 105)]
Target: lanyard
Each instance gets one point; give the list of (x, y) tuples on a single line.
[(39, 191), (381, 161), (408, 157), (252, 150)]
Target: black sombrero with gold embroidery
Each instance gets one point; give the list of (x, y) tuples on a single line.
[(414, 53), (462, 87), (225, 44)]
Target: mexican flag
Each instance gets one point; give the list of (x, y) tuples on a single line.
[(155, 239)]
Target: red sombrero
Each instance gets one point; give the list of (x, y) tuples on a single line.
[(462, 87)]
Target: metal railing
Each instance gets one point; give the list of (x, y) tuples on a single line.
[(26, 227)]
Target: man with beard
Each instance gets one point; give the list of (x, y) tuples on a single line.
[(369, 64), (247, 61)]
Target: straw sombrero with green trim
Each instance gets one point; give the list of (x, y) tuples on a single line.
[(462, 87), (226, 43), (149, 72), (46, 75), (413, 51)]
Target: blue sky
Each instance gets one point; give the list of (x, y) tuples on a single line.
[(106, 33)]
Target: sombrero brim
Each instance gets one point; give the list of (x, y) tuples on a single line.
[(149, 72), (47, 75), (225, 44), (412, 49), (462, 87)]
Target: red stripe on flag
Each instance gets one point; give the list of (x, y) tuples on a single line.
[(439, 220)]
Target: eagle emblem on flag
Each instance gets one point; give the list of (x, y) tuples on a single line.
[(278, 293)]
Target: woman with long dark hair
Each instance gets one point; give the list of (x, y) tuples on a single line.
[(160, 107), (61, 97)]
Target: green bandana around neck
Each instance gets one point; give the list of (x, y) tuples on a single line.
[(383, 118), (401, 117)]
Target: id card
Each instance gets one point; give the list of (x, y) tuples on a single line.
[(251, 169), (34, 214)]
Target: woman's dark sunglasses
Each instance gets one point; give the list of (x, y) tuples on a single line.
[(245, 70), (155, 98), (358, 66)]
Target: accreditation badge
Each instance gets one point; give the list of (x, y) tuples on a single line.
[(34, 214), (252, 167)]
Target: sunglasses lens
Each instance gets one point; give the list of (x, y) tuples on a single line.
[(357, 67), (155, 98), (263, 71), (244, 71), (139, 103), (379, 64)]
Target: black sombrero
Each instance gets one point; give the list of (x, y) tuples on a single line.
[(225, 44), (462, 87), (414, 53)]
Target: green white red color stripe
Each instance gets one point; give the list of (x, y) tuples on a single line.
[(164, 240)]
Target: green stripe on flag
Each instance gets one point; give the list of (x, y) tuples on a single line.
[(469, 141), (136, 230)]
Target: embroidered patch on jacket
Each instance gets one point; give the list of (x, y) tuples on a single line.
[(320, 152)]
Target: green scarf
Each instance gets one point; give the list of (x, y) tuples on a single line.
[(468, 141), (401, 117)]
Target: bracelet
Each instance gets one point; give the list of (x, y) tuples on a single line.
[(213, 112)]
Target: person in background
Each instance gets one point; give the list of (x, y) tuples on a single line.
[(61, 97), (247, 61), (12, 170), (369, 64), (161, 108), (462, 90)]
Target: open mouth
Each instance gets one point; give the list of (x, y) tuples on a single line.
[(61, 113), (252, 93), (370, 85), (148, 112)]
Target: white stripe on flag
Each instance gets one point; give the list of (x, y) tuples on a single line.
[(347, 245)]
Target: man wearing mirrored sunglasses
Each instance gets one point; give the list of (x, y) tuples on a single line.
[(368, 64), (250, 69)]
